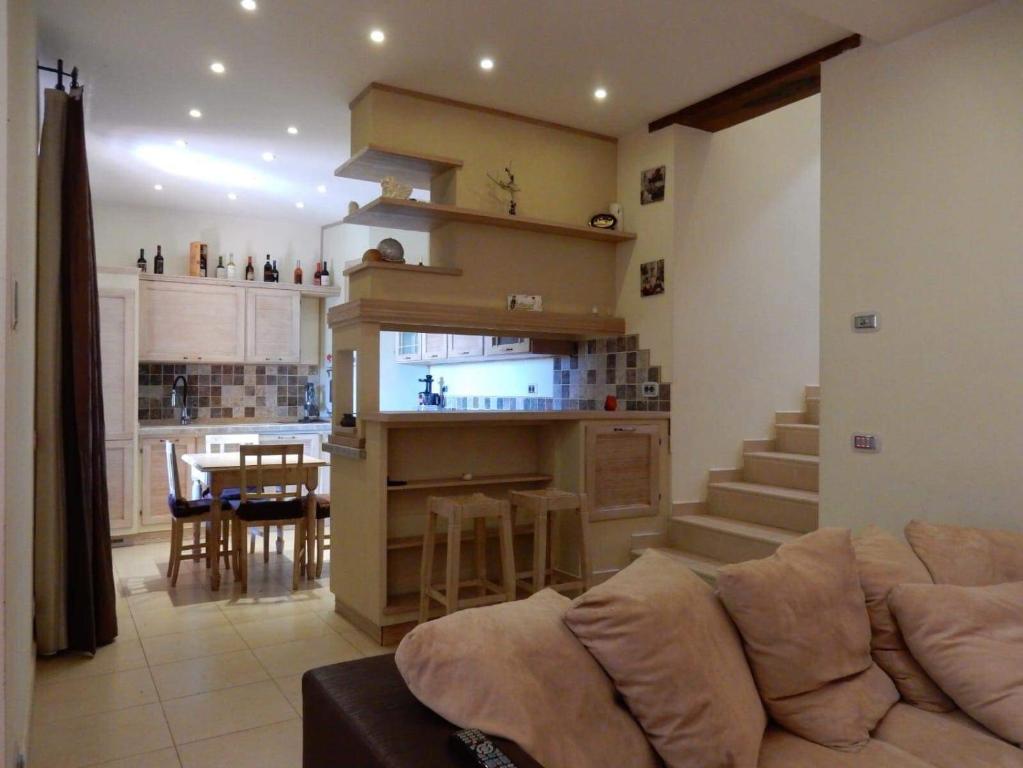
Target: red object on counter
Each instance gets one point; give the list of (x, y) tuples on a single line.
[(611, 403)]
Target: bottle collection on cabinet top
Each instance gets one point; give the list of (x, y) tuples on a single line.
[(199, 265)]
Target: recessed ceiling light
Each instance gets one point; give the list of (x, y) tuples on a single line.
[(218, 67), (377, 36), (600, 94), (292, 130), (194, 113), (268, 156), (180, 143), (232, 196), (158, 187), (249, 5), (486, 64), (300, 204), (322, 189)]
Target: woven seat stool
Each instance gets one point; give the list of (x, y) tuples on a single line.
[(547, 505)]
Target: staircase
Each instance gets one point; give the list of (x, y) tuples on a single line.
[(750, 512)]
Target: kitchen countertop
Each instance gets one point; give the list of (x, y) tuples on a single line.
[(230, 426), (449, 417)]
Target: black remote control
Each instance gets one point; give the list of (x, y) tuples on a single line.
[(483, 751)]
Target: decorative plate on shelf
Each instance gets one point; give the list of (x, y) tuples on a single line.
[(603, 221)]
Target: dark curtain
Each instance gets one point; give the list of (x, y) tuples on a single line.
[(91, 609)]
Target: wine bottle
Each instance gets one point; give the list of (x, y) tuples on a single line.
[(298, 272), (316, 274), (325, 274), (268, 271), (250, 271), (221, 270), (158, 261), (232, 270), (276, 274), (141, 263), (203, 271)]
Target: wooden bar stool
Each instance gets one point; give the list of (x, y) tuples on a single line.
[(545, 505), (457, 510)]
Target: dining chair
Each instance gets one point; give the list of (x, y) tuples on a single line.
[(275, 500), (321, 540), (195, 511)]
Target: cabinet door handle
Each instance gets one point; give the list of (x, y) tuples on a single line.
[(624, 429)]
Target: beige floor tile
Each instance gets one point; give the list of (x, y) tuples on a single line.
[(209, 673), (249, 609), (99, 738), (282, 630), (169, 621), (165, 758), (84, 696), (119, 656), (299, 655), (291, 687), (192, 645), (221, 712), (362, 642), (177, 597), (278, 745)]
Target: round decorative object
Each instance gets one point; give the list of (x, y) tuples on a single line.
[(372, 255), (392, 250), (603, 221)]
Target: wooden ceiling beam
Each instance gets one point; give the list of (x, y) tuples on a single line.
[(759, 95)]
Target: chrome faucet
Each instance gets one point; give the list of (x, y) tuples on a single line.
[(184, 398)]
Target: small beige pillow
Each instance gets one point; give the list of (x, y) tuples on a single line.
[(664, 638), (970, 640), (883, 562), (967, 557), (803, 620), (515, 670)]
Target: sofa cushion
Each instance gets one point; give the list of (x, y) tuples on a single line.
[(968, 557), (664, 638), (782, 749), (946, 739), (515, 670), (970, 640), (883, 561), (804, 625)]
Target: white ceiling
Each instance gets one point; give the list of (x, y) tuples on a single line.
[(146, 63)]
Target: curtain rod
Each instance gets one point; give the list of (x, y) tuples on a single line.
[(60, 73)]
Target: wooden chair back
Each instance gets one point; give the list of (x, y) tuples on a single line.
[(262, 476), (173, 481), (229, 443)]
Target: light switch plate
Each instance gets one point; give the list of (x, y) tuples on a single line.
[(866, 322), (651, 389), (864, 442)]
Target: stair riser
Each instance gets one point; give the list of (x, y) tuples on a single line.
[(786, 474), (718, 545), (813, 411), (800, 517), (798, 441)]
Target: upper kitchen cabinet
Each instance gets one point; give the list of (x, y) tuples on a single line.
[(465, 347), (408, 347), (273, 326), (117, 360), (192, 323), (435, 346)]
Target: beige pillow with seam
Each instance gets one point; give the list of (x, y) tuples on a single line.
[(967, 557), (515, 670), (666, 641), (804, 625)]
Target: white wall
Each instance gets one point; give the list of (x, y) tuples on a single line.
[(922, 201), (745, 286), (503, 378), (399, 382), (17, 264)]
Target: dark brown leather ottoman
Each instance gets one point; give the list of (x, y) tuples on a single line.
[(360, 714)]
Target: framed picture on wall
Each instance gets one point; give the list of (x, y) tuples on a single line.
[(651, 278), (651, 185)]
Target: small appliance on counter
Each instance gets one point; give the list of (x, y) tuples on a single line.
[(311, 408), (428, 399)]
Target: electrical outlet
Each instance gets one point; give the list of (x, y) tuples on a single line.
[(651, 389), (865, 442), (531, 389), (866, 322)]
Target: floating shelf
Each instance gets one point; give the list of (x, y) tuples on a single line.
[(457, 482), (421, 269), (375, 162), (414, 216), (312, 291)]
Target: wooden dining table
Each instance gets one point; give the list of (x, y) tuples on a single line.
[(219, 471)]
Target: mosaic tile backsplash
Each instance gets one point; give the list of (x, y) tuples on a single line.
[(226, 391)]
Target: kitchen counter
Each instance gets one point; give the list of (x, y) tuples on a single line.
[(229, 426), (453, 417)]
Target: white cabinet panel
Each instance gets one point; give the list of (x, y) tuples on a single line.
[(117, 362), (435, 346), (120, 456), (273, 327), (192, 323)]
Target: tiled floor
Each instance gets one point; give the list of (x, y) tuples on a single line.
[(195, 678)]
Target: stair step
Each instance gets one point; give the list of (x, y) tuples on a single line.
[(788, 470), (798, 438), (724, 539), (813, 410), (704, 567), (774, 506)]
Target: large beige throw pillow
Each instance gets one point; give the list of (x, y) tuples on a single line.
[(803, 620), (664, 638), (515, 670), (967, 557), (970, 640), (883, 562)]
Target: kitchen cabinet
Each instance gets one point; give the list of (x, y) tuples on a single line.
[(623, 470), (191, 323), (435, 346), (117, 361), (504, 345), (154, 476), (120, 457), (465, 348), (273, 323), (408, 347)]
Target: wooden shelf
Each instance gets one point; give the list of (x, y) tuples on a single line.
[(313, 291), (375, 162), (420, 268), (424, 217), (457, 482)]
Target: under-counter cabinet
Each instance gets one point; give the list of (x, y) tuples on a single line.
[(192, 323), (623, 470), (120, 456), (272, 326), (154, 475)]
